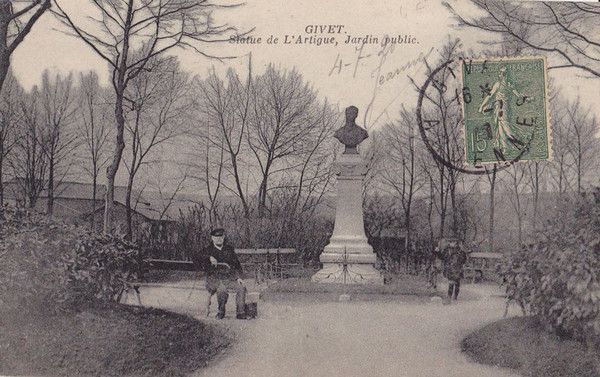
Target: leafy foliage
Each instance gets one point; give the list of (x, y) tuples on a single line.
[(558, 278), (49, 266)]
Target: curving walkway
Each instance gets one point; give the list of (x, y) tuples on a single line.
[(348, 338)]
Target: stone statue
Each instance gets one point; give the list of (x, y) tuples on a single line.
[(351, 134)]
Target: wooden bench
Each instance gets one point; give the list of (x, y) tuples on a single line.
[(481, 265), (264, 263), (178, 265)]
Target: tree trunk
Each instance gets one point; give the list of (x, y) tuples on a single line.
[(262, 192), (430, 210), (452, 188), (536, 193), (50, 207), (33, 197), (119, 85), (442, 204), (407, 226), (262, 198), (4, 66), (128, 211), (520, 229), (111, 170), (245, 205), (1, 176), (94, 191), (492, 204), (579, 169)]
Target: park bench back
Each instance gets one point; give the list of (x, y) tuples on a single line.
[(248, 258), (267, 263), (482, 265), (253, 256)]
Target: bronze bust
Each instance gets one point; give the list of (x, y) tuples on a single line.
[(351, 134)]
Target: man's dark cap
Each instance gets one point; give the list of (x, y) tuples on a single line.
[(218, 232)]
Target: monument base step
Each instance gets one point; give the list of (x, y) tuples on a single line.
[(354, 273)]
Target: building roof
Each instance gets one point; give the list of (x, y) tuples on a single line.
[(152, 205), (73, 190), (80, 190)]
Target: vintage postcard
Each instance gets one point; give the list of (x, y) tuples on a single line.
[(299, 188)]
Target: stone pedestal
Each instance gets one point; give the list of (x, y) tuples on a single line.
[(348, 258)]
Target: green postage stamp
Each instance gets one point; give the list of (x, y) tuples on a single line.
[(505, 110)]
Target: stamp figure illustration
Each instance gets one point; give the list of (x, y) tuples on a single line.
[(505, 110)]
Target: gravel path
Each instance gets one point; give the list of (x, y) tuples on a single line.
[(347, 338)]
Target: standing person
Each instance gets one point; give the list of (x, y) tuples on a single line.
[(455, 260), (223, 272)]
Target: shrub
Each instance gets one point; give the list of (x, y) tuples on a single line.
[(48, 266), (100, 265), (307, 233), (558, 279)]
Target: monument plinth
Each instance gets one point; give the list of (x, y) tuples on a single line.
[(348, 258)]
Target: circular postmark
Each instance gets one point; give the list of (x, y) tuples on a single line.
[(499, 111)]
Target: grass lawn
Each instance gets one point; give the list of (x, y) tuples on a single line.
[(112, 340), (403, 287), (521, 343)]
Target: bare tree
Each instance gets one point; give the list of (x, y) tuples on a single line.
[(492, 174), (58, 111), (94, 131), (114, 29), (441, 110), (380, 214), (582, 140), (401, 173), (167, 200), (561, 163), (313, 173), (224, 112), (212, 172), (166, 183), (159, 103), (247, 145), (313, 158), (29, 164), (575, 145), (516, 182), (16, 21), (536, 182), (9, 121), (568, 32), (283, 115)]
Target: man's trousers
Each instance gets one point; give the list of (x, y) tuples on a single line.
[(220, 286)]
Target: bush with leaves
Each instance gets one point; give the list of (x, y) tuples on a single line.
[(558, 278), (49, 266)]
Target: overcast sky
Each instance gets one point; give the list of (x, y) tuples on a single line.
[(354, 84), (426, 20)]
